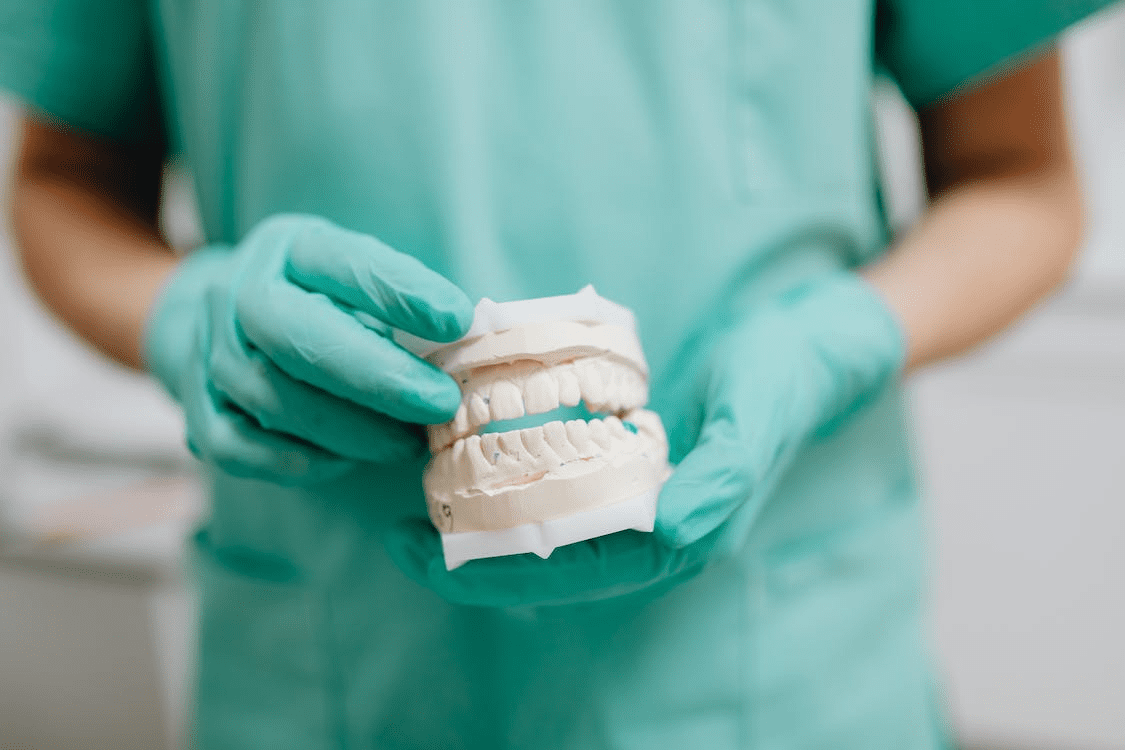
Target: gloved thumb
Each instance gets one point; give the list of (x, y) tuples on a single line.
[(714, 480)]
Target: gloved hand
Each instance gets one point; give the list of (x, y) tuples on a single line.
[(779, 376), (279, 350)]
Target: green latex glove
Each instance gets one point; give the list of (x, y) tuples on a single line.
[(278, 350), (776, 378)]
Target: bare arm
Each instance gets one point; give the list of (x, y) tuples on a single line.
[(1005, 217), (85, 217)]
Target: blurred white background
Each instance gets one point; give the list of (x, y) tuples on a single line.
[(1022, 445)]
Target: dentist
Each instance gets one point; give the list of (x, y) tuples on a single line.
[(708, 163)]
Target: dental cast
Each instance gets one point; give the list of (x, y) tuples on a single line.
[(568, 350)]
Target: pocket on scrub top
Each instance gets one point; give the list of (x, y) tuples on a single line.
[(264, 673)]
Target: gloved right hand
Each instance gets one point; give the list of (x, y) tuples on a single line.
[(279, 350)]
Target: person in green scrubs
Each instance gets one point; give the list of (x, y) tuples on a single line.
[(363, 167)]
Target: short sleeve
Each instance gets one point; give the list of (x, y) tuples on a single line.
[(932, 47), (88, 63)]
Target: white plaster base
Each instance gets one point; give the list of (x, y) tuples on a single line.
[(637, 513)]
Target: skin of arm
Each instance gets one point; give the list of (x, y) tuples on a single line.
[(85, 218), (1004, 222), (1005, 217)]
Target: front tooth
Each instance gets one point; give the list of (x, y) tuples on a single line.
[(599, 432), (540, 394), (592, 386), (555, 434), (505, 401), (569, 392), (478, 411), (579, 433)]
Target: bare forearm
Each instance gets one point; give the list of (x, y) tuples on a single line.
[(1006, 218), (985, 252), (89, 245)]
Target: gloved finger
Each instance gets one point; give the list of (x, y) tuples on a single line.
[(236, 445), (716, 479), (361, 272), (282, 404), (314, 341), (603, 568)]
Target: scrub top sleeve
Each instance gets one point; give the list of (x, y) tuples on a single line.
[(932, 47), (86, 63)]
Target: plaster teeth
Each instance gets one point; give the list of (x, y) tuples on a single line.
[(531, 388), (535, 443), (540, 393), (599, 432), (478, 411), (593, 386), (570, 394), (578, 430), (475, 454), (490, 447), (461, 424), (441, 435), (557, 438), (648, 422), (511, 447), (616, 428), (505, 401)]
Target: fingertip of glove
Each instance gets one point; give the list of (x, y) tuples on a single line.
[(452, 313), (437, 402)]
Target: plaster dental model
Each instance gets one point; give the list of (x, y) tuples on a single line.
[(506, 491)]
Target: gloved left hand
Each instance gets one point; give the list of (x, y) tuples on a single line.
[(776, 378)]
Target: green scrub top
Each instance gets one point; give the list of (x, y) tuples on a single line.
[(677, 155)]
